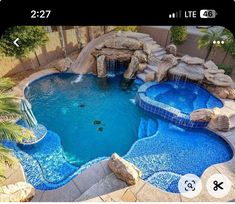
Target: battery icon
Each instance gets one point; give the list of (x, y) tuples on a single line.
[(208, 13)]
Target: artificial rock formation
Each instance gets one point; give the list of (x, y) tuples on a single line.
[(123, 43), (192, 60), (132, 68), (192, 72), (222, 92), (210, 65), (202, 115), (142, 57), (101, 66), (220, 122), (19, 192), (149, 48), (218, 78), (124, 170), (167, 62), (171, 49), (63, 65)]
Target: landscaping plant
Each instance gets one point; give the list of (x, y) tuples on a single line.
[(178, 34), (9, 130)]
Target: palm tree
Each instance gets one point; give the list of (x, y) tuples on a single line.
[(9, 110), (209, 37)]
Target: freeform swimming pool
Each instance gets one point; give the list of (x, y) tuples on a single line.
[(95, 118)]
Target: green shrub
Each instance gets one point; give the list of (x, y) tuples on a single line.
[(126, 28), (30, 38), (226, 67), (178, 34)]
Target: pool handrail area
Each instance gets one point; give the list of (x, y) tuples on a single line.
[(163, 110)]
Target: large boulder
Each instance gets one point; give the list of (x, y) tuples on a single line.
[(220, 122), (210, 65), (63, 65), (167, 62), (142, 67), (19, 192), (222, 92), (142, 57), (192, 72), (218, 78), (192, 60), (101, 66), (123, 43), (171, 49), (124, 170), (202, 115), (132, 68)]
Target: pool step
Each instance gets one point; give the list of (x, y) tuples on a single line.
[(147, 128), (159, 53), (141, 76), (151, 67)]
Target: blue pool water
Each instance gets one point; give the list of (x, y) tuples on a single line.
[(89, 120), (72, 109), (185, 96)]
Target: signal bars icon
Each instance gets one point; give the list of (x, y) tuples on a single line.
[(176, 14)]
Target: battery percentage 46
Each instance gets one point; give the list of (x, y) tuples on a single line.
[(205, 13)]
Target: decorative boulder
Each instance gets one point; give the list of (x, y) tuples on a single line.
[(222, 92), (192, 60), (223, 123), (142, 57), (218, 78), (124, 170), (19, 192), (132, 68), (123, 43), (171, 49), (192, 72), (101, 66), (210, 65), (63, 65), (142, 67), (202, 115), (167, 62)]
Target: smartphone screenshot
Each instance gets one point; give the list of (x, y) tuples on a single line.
[(122, 103)]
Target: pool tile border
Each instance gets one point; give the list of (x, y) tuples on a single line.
[(163, 110), (146, 192)]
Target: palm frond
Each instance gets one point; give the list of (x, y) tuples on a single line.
[(6, 156), (14, 132), (8, 106), (6, 83), (6, 159)]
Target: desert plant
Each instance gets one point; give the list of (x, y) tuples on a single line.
[(126, 28), (226, 67), (9, 109), (178, 34)]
